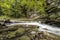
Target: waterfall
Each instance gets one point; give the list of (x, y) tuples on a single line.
[(50, 29), (42, 27)]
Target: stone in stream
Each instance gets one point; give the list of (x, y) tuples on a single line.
[(7, 21), (3, 23), (45, 28)]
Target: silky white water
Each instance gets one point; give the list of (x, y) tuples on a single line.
[(42, 27)]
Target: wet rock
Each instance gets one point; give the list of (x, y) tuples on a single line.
[(2, 24), (7, 21)]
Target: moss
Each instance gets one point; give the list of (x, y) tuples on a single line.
[(10, 35), (13, 34), (24, 38), (53, 16), (20, 30), (1, 35)]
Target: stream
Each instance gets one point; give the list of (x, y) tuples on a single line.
[(42, 27)]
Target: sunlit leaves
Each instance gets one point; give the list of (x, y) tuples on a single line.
[(23, 2), (5, 5), (16, 7)]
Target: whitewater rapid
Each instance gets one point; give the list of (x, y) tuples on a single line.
[(42, 27)]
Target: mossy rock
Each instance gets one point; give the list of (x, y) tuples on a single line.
[(24, 38), (10, 35), (20, 30)]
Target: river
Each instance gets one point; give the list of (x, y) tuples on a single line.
[(42, 27)]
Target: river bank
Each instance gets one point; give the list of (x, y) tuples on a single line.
[(36, 27), (23, 32), (43, 27)]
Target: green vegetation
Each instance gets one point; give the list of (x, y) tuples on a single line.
[(20, 8), (31, 9)]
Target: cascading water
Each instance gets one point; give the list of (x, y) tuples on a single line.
[(51, 29), (42, 27)]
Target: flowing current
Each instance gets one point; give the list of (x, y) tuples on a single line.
[(42, 27)]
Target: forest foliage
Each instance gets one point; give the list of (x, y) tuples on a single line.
[(26, 8)]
